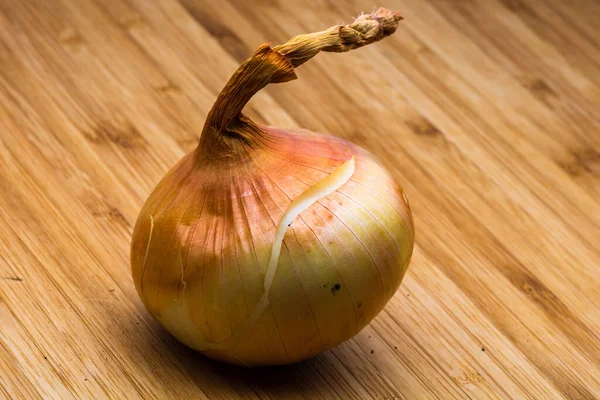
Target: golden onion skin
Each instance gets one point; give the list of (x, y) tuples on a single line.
[(343, 258), (202, 244)]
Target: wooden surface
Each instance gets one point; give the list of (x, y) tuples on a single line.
[(486, 111)]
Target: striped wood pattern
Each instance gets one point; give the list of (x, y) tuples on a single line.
[(486, 111)]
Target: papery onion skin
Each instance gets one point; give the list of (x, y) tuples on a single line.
[(203, 239)]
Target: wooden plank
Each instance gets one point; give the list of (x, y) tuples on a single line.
[(485, 112)]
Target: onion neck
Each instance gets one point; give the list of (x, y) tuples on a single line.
[(225, 122), (226, 128)]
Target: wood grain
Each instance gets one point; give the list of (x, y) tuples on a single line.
[(486, 111)]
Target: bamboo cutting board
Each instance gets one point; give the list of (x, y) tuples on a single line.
[(486, 111)]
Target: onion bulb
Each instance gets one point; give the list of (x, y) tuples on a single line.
[(268, 246)]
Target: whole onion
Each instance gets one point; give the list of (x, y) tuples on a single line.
[(267, 246)]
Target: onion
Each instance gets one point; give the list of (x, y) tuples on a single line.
[(267, 246)]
